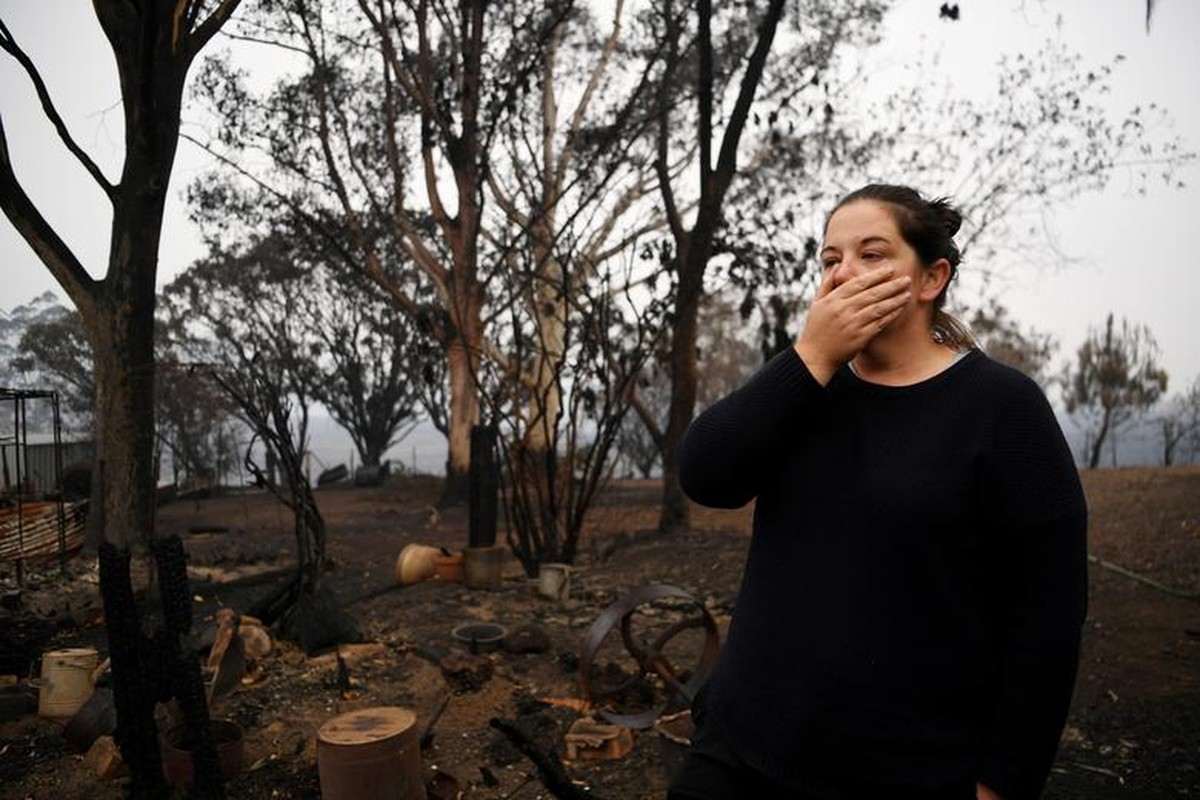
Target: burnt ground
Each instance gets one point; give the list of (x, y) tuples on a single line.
[(1133, 732)]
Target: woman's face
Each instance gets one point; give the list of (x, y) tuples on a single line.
[(864, 236)]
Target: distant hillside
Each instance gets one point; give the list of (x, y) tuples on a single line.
[(13, 323)]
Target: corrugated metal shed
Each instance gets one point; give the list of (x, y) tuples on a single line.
[(37, 463)]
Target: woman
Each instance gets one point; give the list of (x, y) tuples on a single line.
[(909, 618)]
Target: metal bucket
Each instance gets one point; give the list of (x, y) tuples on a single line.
[(372, 752), (483, 567), (68, 680), (480, 637)]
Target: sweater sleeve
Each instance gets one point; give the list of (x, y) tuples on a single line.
[(729, 449), (1042, 548)]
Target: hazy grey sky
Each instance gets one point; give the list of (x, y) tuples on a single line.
[(1132, 255)]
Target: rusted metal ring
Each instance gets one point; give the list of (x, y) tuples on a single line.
[(649, 658)]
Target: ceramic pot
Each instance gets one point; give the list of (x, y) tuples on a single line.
[(178, 767)]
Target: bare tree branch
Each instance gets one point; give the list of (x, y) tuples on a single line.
[(269, 42), (705, 97), (371, 269), (751, 78), (205, 31), (662, 155), (610, 46), (9, 44)]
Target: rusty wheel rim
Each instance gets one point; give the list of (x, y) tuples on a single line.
[(648, 656)]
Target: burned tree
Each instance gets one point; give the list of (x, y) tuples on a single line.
[(377, 370), (1115, 379), (382, 145), (233, 314), (1179, 425), (693, 247), (569, 204), (550, 488), (154, 43)]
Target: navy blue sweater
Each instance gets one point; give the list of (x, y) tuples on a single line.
[(910, 612)]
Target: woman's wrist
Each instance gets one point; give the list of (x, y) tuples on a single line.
[(820, 368)]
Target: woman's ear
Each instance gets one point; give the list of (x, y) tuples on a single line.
[(933, 280)]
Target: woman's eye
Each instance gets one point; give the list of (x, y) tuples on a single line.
[(872, 256), (828, 264)]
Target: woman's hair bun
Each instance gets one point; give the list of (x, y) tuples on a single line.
[(948, 214)]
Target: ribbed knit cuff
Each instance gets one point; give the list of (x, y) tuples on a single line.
[(789, 371)]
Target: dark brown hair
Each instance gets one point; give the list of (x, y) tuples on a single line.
[(928, 226)]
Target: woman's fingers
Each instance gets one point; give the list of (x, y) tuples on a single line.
[(861, 303), (859, 293), (844, 318), (865, 281), (889, 307)]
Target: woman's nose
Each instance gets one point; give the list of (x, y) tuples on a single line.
[(845, 270)]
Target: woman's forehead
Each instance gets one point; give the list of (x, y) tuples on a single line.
[(859, 221)]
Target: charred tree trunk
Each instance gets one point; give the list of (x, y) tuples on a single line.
[(694, 247), (1101, 436), (133, 694), (308, 524), (270, 417), (462, 358), (121, 330), (372, 449), (154, 43), (485, 488), (674, 515), (309, 528)]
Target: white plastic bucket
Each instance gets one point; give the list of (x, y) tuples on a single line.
[(554, 581), (68, 680)]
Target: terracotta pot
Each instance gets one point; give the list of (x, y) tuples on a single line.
[(449, 567), (178, 767)]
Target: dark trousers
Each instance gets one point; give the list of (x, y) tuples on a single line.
[(711, 770)]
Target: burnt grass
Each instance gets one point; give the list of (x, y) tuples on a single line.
[(1133, 730)]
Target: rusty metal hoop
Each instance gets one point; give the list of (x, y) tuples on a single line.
[(648, 655)]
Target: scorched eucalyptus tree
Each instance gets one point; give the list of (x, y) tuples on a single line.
[(231, 316), (154, 43), (381, 142)]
